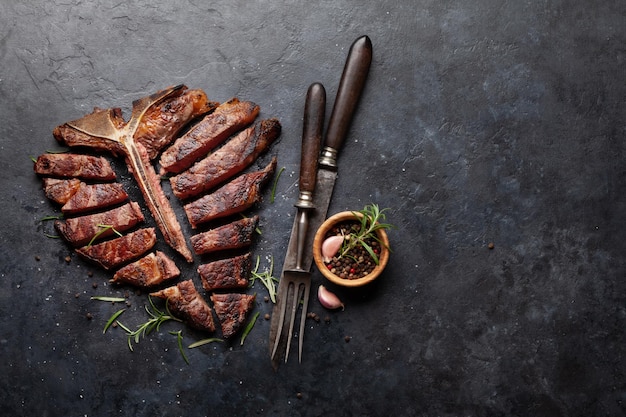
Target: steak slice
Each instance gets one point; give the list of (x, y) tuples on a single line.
[(161, 122), (185, 302), (232, 158), (232, 311), (91, 197), (69, 165), (237, 234), (59, 190), (234, 197), (212, 130), (81, 230), (153, 269), (231, 273), (116, 252)]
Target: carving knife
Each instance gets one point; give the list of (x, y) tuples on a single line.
[(349, 92), (294, 269)]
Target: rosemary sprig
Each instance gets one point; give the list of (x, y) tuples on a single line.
[(265, 277), (273, 194), (249, 327), (103, 228), (373, 219), (51, 217), (157, 317)]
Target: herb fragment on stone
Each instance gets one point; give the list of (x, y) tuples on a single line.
[(248, 328), (204, 342), (265, 277)]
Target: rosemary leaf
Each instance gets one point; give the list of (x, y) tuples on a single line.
[(112, 319), (204, 342), (273, 194), (179, 340), (249, 327), (109, 299)]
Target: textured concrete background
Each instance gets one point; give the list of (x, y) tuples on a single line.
[(481, 122)]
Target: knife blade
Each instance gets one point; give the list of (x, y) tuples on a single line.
[(351, 86), (297, 258)]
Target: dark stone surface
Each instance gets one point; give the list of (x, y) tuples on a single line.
[(481, 122)]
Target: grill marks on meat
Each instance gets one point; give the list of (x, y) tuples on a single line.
[(153, 269), (185, 302), (234, 197), (235, 235), (119, 251), (60, 191), (212, 130), (163, 121), (232, 311), (68, 165), (81, 230), (232, 158), (231, 273), (89, 197)]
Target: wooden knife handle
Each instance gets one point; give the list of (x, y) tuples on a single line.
[(314, 112), (351, 85)]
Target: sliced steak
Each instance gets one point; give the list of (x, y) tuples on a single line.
[(91, 197), (153, 269), (231, 273), (232, 311), (161, 122), (119, 251), (81, 230), (229, 160), (60, 190), (212, 130), (70, 165), (234, 197), (186, 303), (237, 234)]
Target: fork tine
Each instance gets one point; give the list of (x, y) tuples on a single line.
[(292, 318), (281, 320), (305, 305)]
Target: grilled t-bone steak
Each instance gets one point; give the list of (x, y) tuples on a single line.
[(185, 302), (68, 165), (119, 251), (81, 230), (89, 197), (237, 234), (153, 269), (232, 311), (164, 120), (60, 190), (107, 130), (230, 273), (233, 197), (232, 158), (211, 131)]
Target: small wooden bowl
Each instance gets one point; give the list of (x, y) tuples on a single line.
[(383, 258)]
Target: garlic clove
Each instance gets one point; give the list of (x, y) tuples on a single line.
[(330, 247), (328, 299)]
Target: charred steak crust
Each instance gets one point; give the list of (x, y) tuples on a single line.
[(230, 273), (185, 302), (233, 197), (81, 230), (70, 165), (149, 271), (119, 251), (237, 234), (232, 311), (227, 119), (229, 160)]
